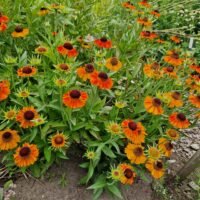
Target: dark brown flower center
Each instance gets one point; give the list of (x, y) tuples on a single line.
[(170, 69), (132, 126), (29, 115), (128, 173), (158, 165), (103, 39), (68, 46), (27, 70), (169, 146), (114, 61), (103, 76), (156, 11), (18, 29), (75, 94), (7, 136), (181, 117), (157, 102), (89, 68), (64, 67), (176, 95), (59, 140), (24, 151), (175, 55), (145, 19), (147, 33), (155, 66), (138, 151), (43, 8), (41, 49)]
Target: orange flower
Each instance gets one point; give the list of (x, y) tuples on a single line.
[(103, 43), (75, 99), (195, 67), (179, 120), (155, 167), (148, 35), (153, 105), (144, 3), (135, 153), (173, 134), (170, 71), (195, 100), (26, 117), (67, 49), (26, 71), (165, 147), (3, 18), (144, 21), (193, 82), (26, 155), (173, 58), (3, 27), (174, 99), (128, 174), (101, 80), (43, 11), (4, 90), (8, 139), (175, 39), (135, 132), (129, 5), (160, 41), (113, 64), (86, 71), (20, 32), (155, 13), (152, 70)]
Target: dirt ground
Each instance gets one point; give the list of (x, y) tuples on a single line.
[(50, 188)]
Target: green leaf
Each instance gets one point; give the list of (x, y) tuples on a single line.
[(7, 184), (90, 172), (47, 153), (108, 152), (100, 183), (114, 190), (97, 193), (84, 165)]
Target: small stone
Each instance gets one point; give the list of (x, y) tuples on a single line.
[(171, 161), (194, 146), (194, 186)]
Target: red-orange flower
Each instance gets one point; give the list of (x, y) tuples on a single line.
[(195, 100), (179, 120), (153, 70), (165, 146), (75, 99), (129, 5), (148, 35), (170, 71), (26, 71), (103, 43), (175, 39), (3, 18), (26, 117), (172, 58), (153, 105), (3, 27), (155, 13), (135, 132), (67, 49), (4, 90), (101, 80), (144, 3), (86, 71), (195, 67), (144, 21)]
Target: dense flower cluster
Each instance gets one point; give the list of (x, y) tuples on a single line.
[(125, 110)]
